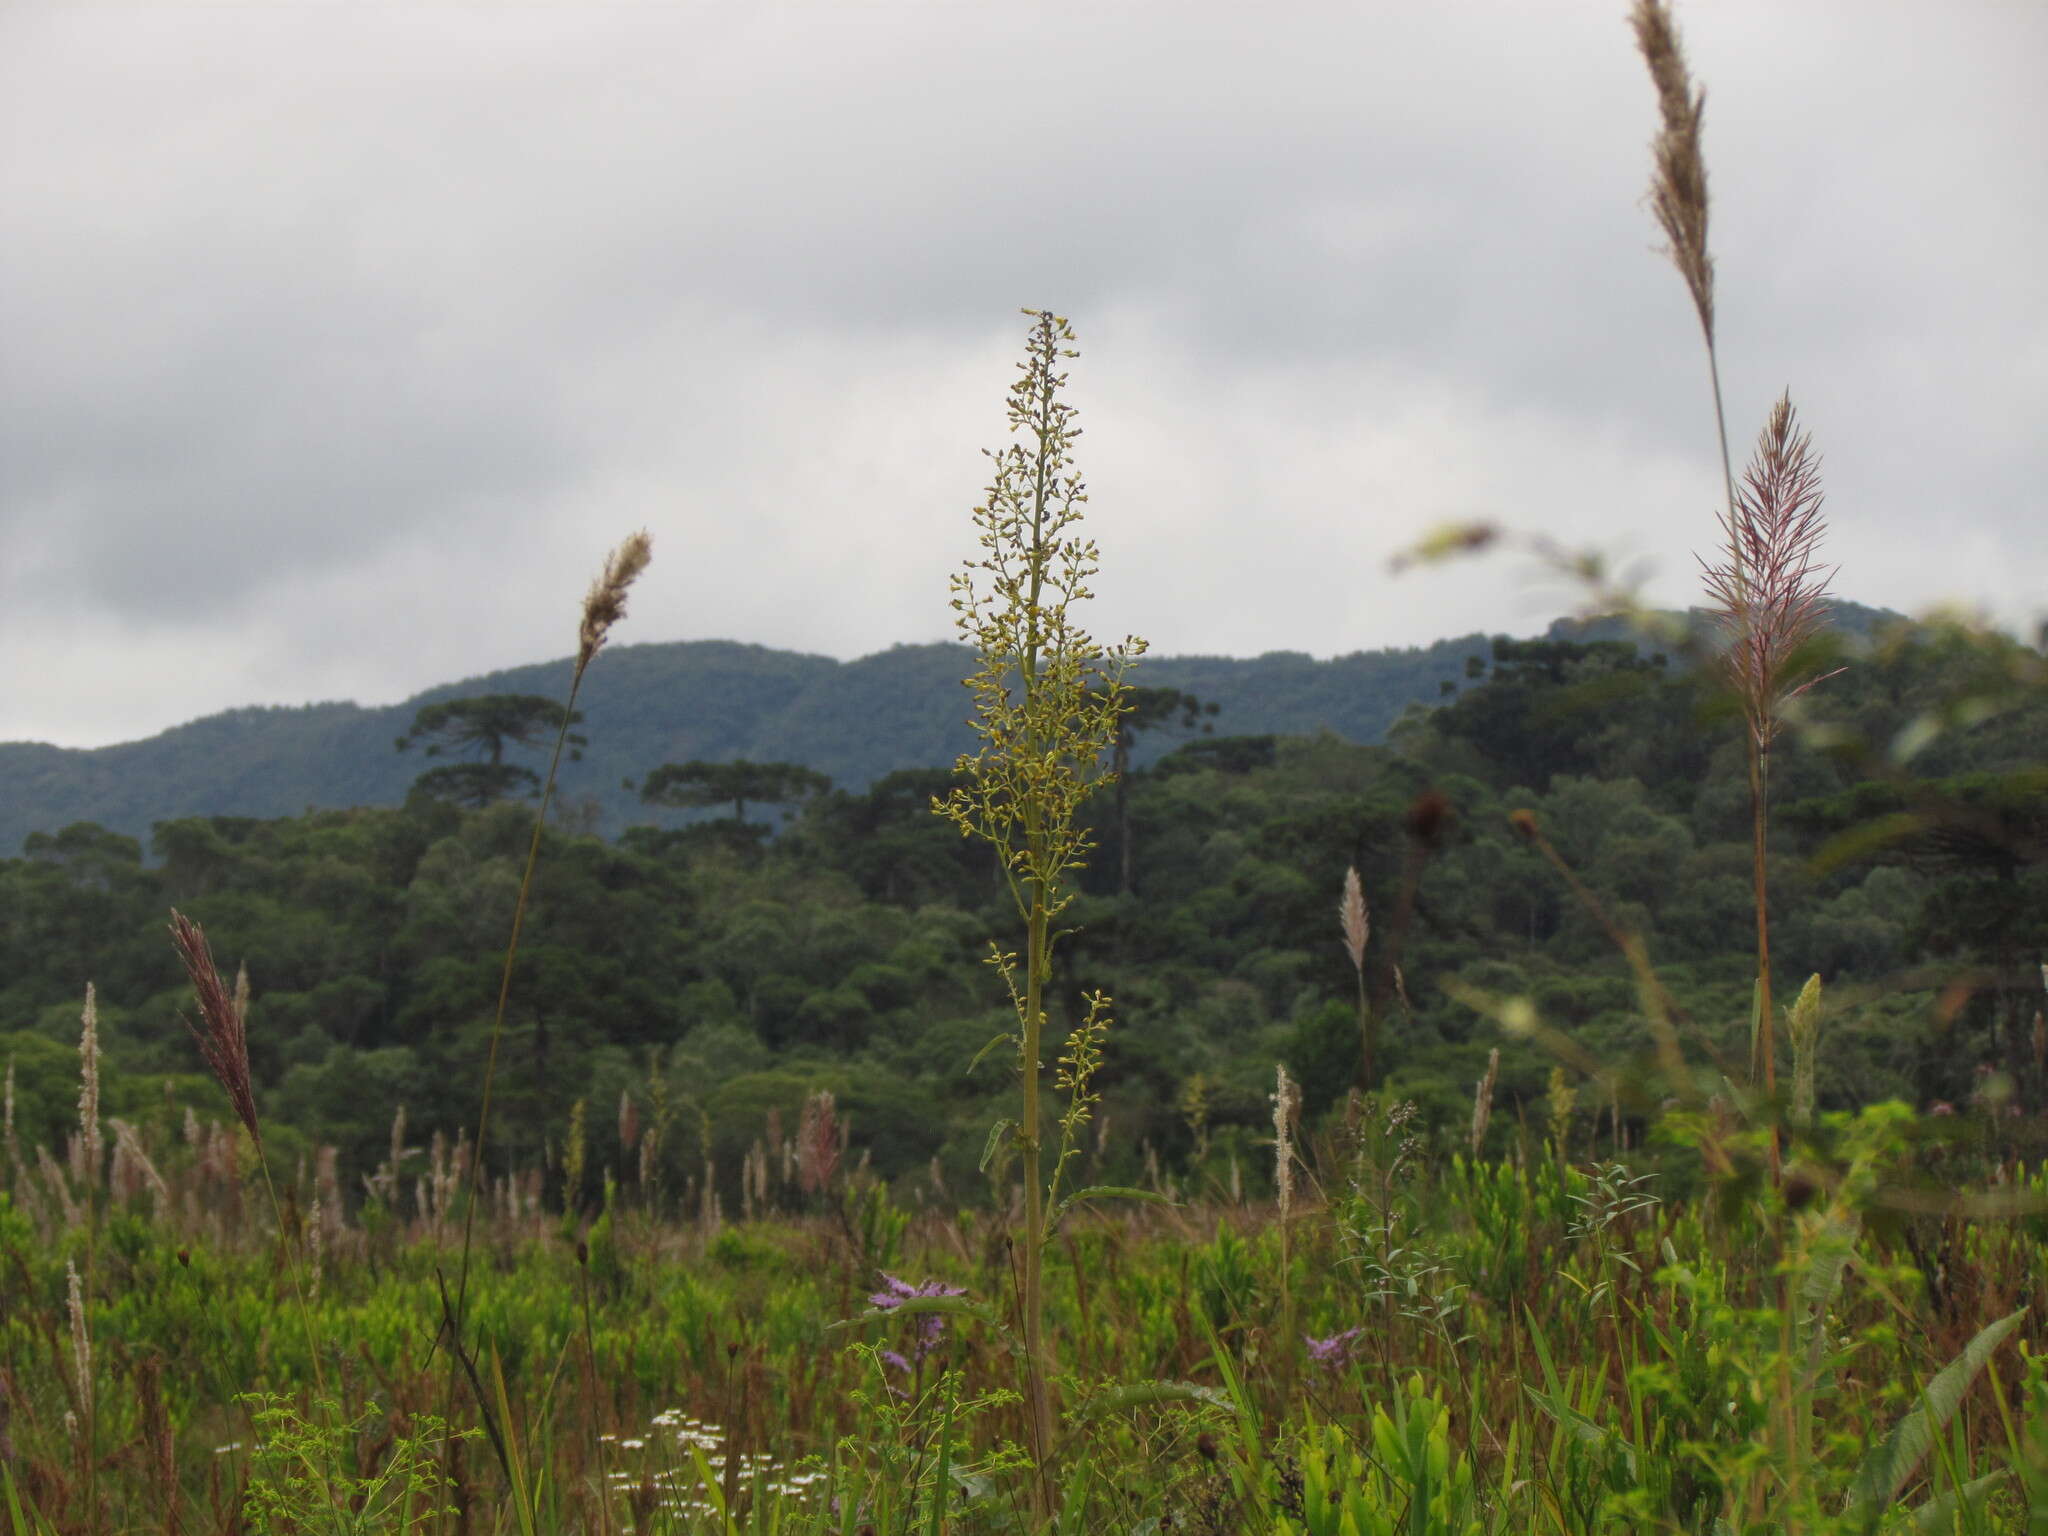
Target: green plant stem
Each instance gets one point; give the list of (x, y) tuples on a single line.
[(91, 1405), (483, 1122), (1038, 957), (1764, 1069), (1366, 1043), (1037, 1347)]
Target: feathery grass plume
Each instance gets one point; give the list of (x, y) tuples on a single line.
[(1770, 595), (1563, 1099), (1770, 599), (1678, 183), (1482, 1100), (81, 1340), (386, 1178), (1802, 1030), (91, 1145), (661, 1118), (629, 1122), (1678, 188), (605, 604), (316, 1231), (1193, 1104), (1286, 1117), (1286, 1114), (222, 1032), (817, 1143), (1355, 921), (59, 1186), (135, 1172), (650, 1166)]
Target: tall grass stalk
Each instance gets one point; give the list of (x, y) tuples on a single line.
[(1767, 591), (91, 1149), (1355, 920), (222, 1035), (1770, 598), (1286, 1118), (1047, 702), (603, 606)]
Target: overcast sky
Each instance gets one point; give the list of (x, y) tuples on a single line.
[(339, 342)]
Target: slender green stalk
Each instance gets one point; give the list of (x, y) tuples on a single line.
[(603, 606), (1047, 701)]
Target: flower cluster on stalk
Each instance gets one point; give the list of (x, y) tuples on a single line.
[(930, 1328)]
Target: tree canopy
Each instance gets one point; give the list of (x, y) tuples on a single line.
[(697, 784), (486, 725)]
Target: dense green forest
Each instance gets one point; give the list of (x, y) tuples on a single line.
[(703, 978)]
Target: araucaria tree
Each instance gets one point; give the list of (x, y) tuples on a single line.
[(738, 784), (1047, 702), (486, 725)]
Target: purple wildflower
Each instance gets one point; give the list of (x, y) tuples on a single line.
[(895, 1292), (1333, 1351), (930, 1328)]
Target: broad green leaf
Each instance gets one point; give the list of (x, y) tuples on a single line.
[(1002, 1039), (1939, 1513), (1144, 1394), (1890, 1465), (996, 1133)]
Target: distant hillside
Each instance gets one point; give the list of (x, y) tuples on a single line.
[(648, 704)]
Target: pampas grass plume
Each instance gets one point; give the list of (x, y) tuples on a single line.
[(1355, 919), (605, 604), (221, 1034), (1482, 1100), (1802, 1030), (1678, 180), (81, 1339), (1769, 594), (91, 1145), (1286, 1113)]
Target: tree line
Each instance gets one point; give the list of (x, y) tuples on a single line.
[(713, 972)]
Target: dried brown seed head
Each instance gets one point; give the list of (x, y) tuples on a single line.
[(605, 604)]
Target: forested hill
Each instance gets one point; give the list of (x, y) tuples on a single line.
[(650, 704), (644, 705)]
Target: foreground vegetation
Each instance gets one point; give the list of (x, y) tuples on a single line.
[(1536, 1342)]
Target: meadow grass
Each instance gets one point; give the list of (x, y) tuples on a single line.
[(1573, 1345)]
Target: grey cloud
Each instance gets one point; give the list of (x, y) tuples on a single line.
[(304, 302)]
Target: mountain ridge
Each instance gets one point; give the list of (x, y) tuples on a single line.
[(672, 701)]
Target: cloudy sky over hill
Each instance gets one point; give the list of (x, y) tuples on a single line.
[(337, 343)]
